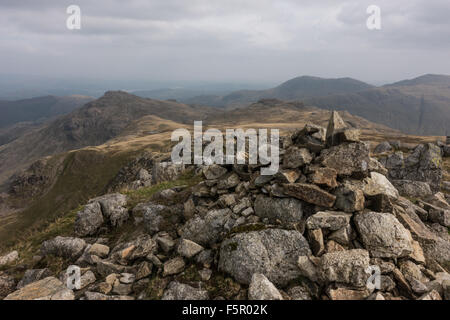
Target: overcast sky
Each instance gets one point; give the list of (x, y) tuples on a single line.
[(259, 41)]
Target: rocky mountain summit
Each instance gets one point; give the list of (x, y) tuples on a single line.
[(336, 222)]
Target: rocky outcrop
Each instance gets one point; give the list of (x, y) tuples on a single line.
[(272, 252), (423, 164), (46, 289), (320, 228)]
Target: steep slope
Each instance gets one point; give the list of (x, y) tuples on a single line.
[(91, 125), (38, 108), (420, 106), (295, 89)]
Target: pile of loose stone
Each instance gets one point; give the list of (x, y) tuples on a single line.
[(317, 229)]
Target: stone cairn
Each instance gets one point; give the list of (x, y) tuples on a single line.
[(333, 223)]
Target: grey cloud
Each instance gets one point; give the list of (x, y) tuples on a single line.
[(226, 39)]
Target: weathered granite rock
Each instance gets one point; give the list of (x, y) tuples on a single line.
[(379, 184), (158, 217), (382, 148), (424, 164), (173, 266), (340, 292), (347, 267), (113, 208), (33, 275), (262, 289), (350, 197), (180, 291), (383, 235), (166, 171), (323, 176), (213, 171), (309, 193), (330, 220), (272, 252), (296, 157), (46, 289), (65, 247), (7, 285), (311, 137), (188, 248), (207, 230), (286, 210), (413, 189), (88, 220), (348, 159), (9, 258)]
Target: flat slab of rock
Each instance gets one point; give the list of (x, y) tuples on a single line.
[(179, 291), (309, 193), (331, 220), (262, 289), (272, 252), (46, 289)]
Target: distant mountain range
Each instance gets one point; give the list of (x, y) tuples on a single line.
[(417, 106), (38, 109)]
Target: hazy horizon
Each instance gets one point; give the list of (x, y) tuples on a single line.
[(251, 42)]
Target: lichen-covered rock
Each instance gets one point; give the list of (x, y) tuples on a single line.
[(188, 248), (286, 210), (113, 207), (33, 275), (378, 184), (65, 247), (424, 164), (383, 235), (309, 193), (344, 293), (138, 248), (296, 157), (330, 220), (166, 171), (179, 291), (262, 289), (413, 189), (348, 267), (350, 197), (208, 230), (323, 176), (382, 147), (311, 137), (88, 220), (348, 159), (159, 217), (46, 289), (9, 258), (272, 252), (213, 171), (7, 285)]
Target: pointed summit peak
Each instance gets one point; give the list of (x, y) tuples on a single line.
[(335, 124)]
